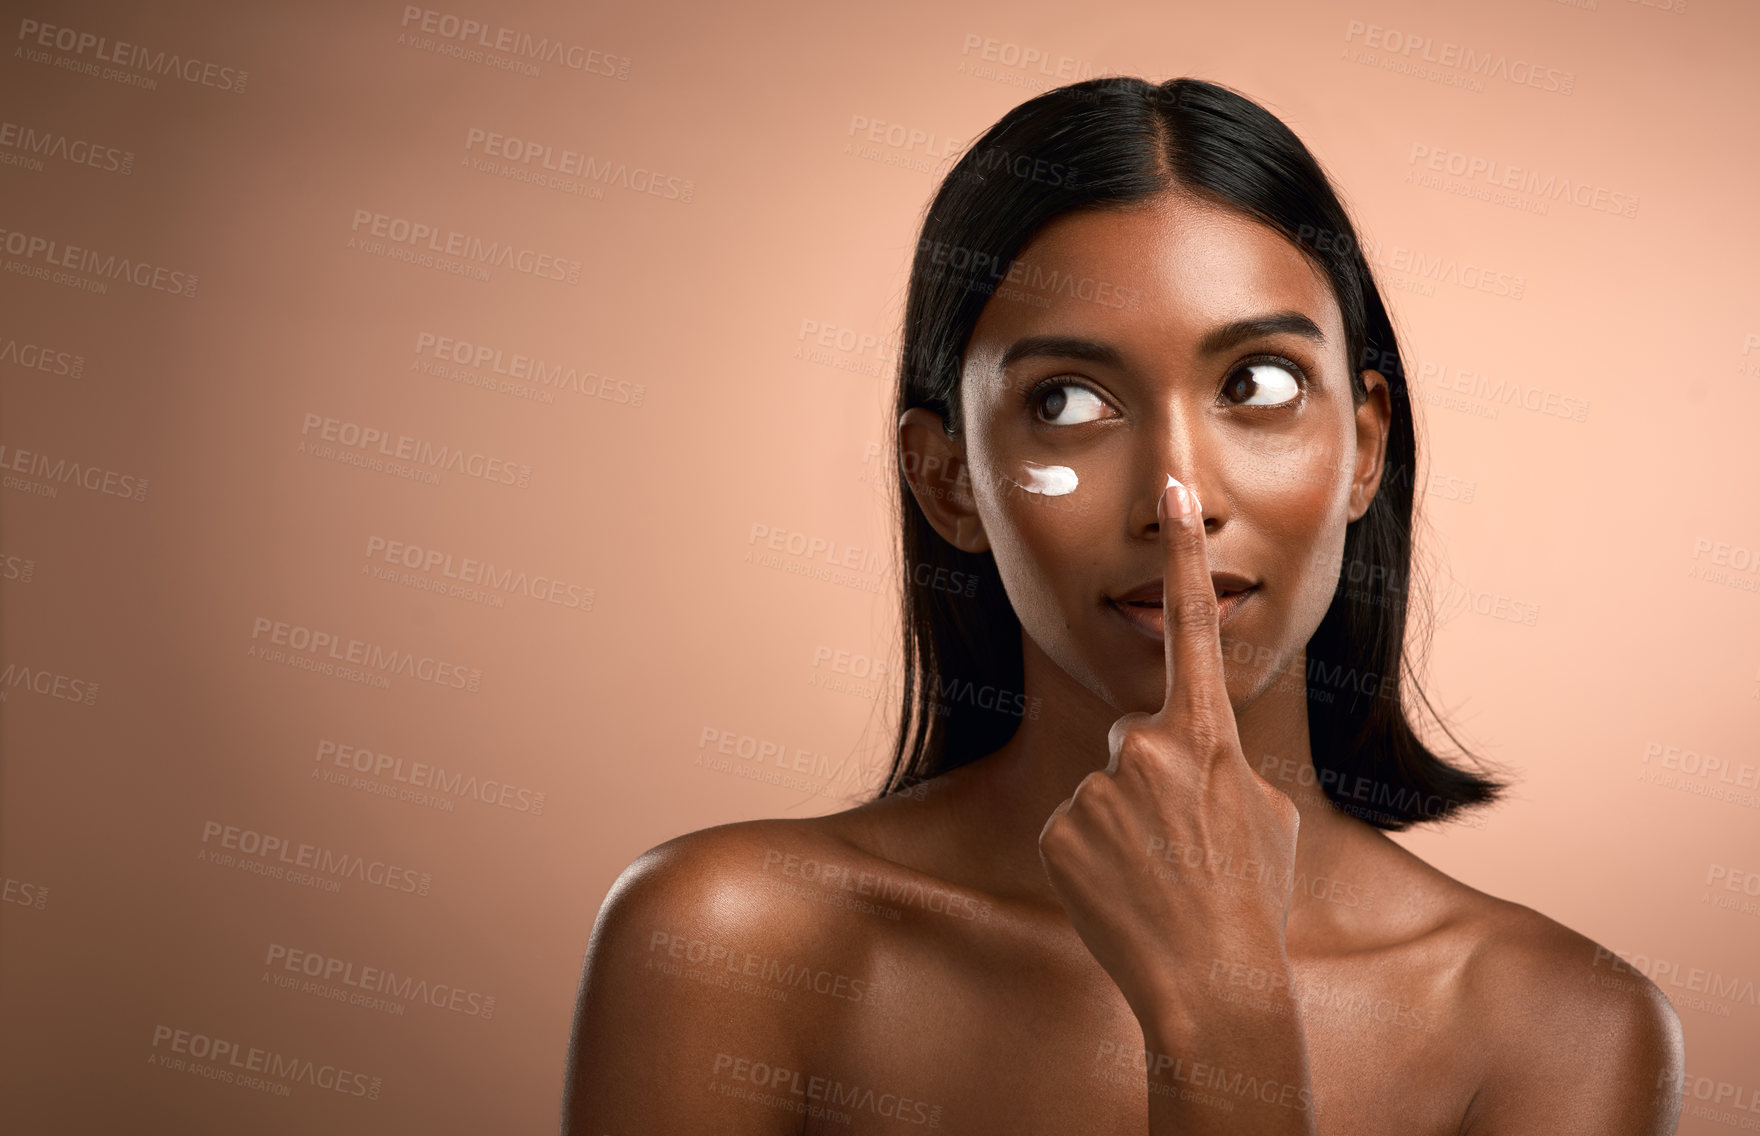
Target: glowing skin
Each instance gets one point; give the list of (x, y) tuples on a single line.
[(1261, 428)]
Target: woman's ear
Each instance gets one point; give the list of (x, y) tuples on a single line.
[(1373, 418), (935, 466)]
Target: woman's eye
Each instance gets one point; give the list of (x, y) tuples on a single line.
[(1262, 384), (1082, 404)]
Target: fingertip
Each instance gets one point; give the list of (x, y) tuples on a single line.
[(1177, 501), (1181, 501)]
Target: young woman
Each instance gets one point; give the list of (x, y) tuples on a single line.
[(1128, 874)]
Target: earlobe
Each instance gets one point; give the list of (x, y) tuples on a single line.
[(969, 534), (935, 467)]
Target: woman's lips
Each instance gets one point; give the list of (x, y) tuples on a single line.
[(1147, 618)]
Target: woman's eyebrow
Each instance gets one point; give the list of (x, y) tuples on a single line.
[(1215, 341), (1220, 339), (1061, 347)]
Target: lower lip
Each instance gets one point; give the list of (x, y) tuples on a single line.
[(1149, 620)]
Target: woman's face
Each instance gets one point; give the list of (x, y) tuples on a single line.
[(1176, 339)]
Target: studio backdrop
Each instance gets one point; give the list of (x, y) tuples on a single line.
[(447, 452)]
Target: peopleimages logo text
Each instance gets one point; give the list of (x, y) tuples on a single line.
[(451, 242), (1483, 64), (106, 50)]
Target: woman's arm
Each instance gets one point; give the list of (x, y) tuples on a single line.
[(1133, 855), (662, 1042)]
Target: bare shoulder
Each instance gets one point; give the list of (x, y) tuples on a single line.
[(724, 880), (1565, 1036), (718, 857), (723, 895), (700, 969)]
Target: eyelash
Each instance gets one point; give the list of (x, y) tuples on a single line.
[(1032, 393)]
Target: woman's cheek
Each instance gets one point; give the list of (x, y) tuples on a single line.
[(1302, 505), (1298, 479), (1299, 466), (1048, 515)]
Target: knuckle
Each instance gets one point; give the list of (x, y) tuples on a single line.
[(1101, 791), (1136, 746), (1092, 793), (1126, 726)]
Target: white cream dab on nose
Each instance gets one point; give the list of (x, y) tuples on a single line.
[(1050, 480)]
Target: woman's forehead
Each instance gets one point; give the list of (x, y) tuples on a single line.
[(1174, 269)]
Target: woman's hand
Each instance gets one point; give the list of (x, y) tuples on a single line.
[(1176, 862)]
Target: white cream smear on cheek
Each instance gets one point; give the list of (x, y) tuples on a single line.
[(1049, 480)]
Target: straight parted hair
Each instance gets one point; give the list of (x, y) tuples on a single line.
[(1115, 142)]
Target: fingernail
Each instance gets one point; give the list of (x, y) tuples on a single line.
[(1183, 501)]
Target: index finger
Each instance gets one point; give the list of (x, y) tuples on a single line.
[(1189, 614)]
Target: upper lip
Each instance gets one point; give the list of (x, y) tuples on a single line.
[(1150, 591)]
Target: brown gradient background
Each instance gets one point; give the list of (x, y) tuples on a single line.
[(1602, 533)]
